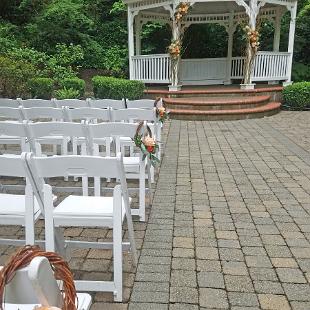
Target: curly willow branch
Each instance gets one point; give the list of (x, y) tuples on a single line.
[(60, 267)]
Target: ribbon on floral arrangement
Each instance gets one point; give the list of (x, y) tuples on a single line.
[(146, 143), (161, 112)]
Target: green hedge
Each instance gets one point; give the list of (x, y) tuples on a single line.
[(114, 88), (14, 77), (67, 93), (74, 83), (297, 96), (41, 87)]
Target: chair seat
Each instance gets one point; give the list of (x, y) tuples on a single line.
[(14, 205), (84, 303), (86, 207)]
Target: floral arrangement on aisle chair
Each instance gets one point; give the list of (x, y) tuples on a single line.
[(146, 143), (161, 112), (59, 266)]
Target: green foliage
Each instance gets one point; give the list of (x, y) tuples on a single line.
[(303, 35), (67, 93), (74, 83), (300, 72), (202, 41), (113, 88), (58, 66), (297, 96), (62, 21), (41, 87), (14, 77)]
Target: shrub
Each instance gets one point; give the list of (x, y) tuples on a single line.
[(114, 88), (74, 83), (14, 77), (300, 72), (297, 96), (67, 93), (41, 87)]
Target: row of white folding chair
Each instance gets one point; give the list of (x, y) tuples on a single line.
[(79, 114), (93, 136), (77, 103), (35, 285), (74, 211)]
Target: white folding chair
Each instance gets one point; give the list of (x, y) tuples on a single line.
[(52, 133), (140, 104), (87, 211), (11, 103), (138, 115), (22, 210), (92, 115), (13, 133), (36, 103), (71, 103), (35, 285), (56, 133), (134, 166), (106, 103)]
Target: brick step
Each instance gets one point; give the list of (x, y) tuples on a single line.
[(231, 91), (228, 114), (215, 103)]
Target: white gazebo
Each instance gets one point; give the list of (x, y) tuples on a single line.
[(269, 66)]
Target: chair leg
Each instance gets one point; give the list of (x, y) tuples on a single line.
[(64, 151), (108, 151), (29, 215), (48, 218), (117, 248), (74, 151), (149, 181), (142, 191), (84, 179)]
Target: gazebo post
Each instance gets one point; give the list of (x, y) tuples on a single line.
[(277, 31), (230, 30), (293, 9), (131, 48), (138, 27)]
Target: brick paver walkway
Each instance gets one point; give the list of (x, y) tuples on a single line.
[(229, 227)]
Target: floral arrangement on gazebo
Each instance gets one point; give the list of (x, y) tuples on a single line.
[(252, 38), (175, 48)]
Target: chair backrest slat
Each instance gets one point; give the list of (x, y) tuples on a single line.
[(75, 165), (133, 114), (79, 114), (112, 129), (43, 113), (106, 103), (11, 166), (71, 103), (44, 129), (140, 104), (36, 103), (12, 129), (11, 113), (11, 103)]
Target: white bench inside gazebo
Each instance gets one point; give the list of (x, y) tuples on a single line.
[(269, 66)]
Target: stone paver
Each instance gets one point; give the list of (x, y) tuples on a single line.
[(229, 226)]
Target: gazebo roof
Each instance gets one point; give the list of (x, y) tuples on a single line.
[(201, 7)]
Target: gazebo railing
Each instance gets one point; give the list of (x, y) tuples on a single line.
[(268, 66), (151, 68)]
